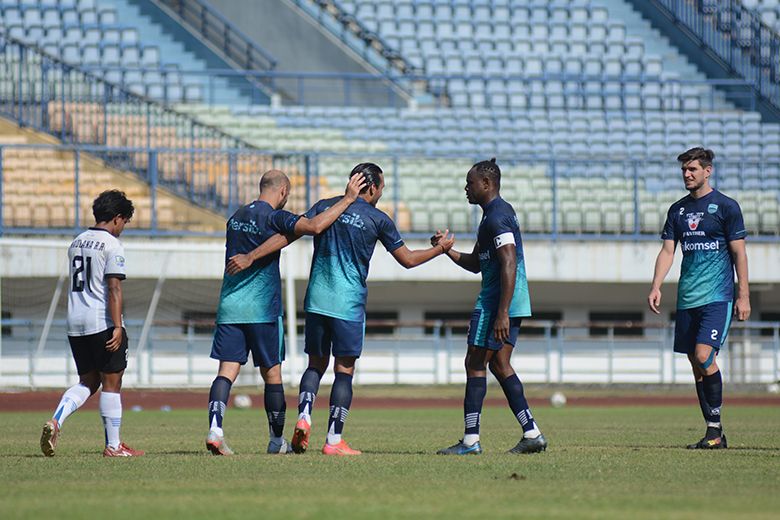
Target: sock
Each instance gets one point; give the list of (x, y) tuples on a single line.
[(712, 388), (218, 399), (476, 389), (111, 411), (71, 400), (340, 401), (703, 404), (275, 408), (513, 390), (310, 385)]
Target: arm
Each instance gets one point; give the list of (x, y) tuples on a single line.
[(662, 265), (238, 263), (304, 226), (408, 258), (507, 259), (468, 261), (115, 310), (318, 224), (742, 305)]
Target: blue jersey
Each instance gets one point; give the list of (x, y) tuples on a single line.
[(499, 227), (339, 267), (704, 227), (255, 294)]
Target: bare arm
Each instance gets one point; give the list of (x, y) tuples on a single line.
[(408, 258), (304, 226), (115, 311), (739, 254), (663, 263), (507, 260), (323, 221), (238, 263), (468, 261)]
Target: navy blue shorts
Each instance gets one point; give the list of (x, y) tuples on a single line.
[(326, 335), (708, 324), (234, 341), (481, 330)]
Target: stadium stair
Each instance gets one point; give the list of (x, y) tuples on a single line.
[(39, 189)]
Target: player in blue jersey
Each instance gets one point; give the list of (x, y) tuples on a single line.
[(709, 227), (335, 300), (249, 316), (501, 305)]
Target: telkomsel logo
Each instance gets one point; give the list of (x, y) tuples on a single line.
[(701, 246)]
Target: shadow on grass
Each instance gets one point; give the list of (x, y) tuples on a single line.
[(397, 452), (683, 448)]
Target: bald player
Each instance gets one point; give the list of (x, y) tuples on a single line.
[(249, 316)]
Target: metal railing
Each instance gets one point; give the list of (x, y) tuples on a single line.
[(736, 36), (223, 179), (622, 93), (176, 355), (215, 28)]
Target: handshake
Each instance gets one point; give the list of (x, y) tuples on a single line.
[(445, 240)]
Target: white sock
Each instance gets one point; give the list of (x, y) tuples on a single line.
[(713, 425), (469, 439), (111, 411), (532, 434), (333, 437), (72, 399), (306, 417)]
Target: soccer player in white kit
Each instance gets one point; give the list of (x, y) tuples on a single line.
[(96, 333)]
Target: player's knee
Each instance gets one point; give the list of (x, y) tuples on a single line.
[(704, 358), (91, 381), (474, 363), (500, 369)]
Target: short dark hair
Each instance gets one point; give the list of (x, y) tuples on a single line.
[(372, 174), (488, 169), (703, 155), (110, 204)]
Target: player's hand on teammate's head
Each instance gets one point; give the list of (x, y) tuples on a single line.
[(654, 300), (112, 345), (355, 185), (237, 263)]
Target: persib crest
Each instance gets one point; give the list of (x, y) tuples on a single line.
[(693, 220)]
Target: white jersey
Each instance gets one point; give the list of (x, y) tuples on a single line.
[(93, 256)]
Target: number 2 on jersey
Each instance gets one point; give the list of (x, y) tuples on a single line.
[(80, 266)]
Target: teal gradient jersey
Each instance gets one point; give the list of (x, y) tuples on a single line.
[(499, 228), (255, 294), (339, 266), (703, 228)]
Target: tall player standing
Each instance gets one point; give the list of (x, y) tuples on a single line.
[(96, 332), (709, 227), (249, 316), (500, 307)]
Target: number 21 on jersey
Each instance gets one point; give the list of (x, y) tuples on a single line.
[(82, 272)]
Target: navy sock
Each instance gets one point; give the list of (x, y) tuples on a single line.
[(340, 401), (476, 389), (712, 387), (703, 404), (310, 385), (513, 390), (275, 408), (218, 398)]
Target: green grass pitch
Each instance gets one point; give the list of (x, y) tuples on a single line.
[(601, 463)]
